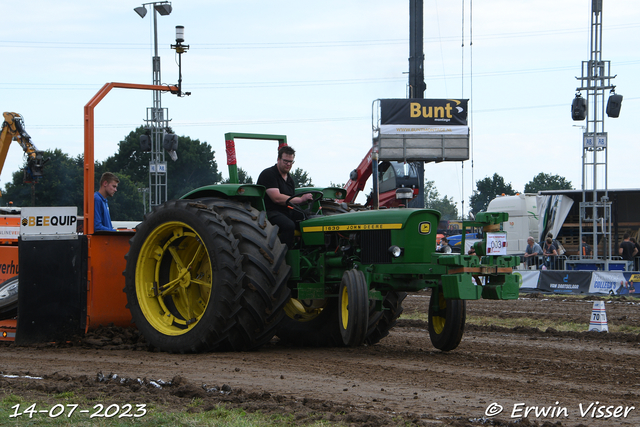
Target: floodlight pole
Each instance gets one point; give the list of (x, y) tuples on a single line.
[(596, 78), (157, 118)]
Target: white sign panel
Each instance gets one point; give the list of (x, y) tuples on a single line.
[(496, 243), (599, 141), (10, 233), (48, 221), (159, 167)]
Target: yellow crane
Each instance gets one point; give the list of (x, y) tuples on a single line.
[(13, 130)]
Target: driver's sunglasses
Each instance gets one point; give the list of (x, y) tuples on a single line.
[(288, 162)]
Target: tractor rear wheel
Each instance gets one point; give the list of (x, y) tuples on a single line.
[(353, 303), (184, 278), (381, 322), (446, 320), (266, 272), (9, 298)]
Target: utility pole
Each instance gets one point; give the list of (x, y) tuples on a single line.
[(417, 86)]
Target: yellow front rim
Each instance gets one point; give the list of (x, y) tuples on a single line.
[(438, 322), (173, 278), (344, 308)]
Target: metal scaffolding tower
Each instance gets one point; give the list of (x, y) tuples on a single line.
[(595, 208), (157, 119)]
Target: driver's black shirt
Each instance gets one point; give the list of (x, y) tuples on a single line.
[(271, 178)]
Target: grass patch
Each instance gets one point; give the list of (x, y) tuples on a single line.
[(218, 416)]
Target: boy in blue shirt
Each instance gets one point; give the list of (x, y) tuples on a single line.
[(108, 187)]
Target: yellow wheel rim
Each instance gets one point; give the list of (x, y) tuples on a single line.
[(438, 322), (344, 308), (173, 278), (304, 310)]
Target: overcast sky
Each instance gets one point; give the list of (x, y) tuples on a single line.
[(311, 70)]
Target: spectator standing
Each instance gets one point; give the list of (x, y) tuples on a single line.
[(550, 253), (585, 249), (627, 249), (532, 251)]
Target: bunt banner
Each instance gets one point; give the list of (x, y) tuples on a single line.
[(424, 116)]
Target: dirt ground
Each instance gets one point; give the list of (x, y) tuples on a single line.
[(579, 379)]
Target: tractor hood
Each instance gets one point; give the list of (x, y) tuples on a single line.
[(405, 227)]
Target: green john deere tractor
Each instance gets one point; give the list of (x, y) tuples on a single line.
[(208, 271)]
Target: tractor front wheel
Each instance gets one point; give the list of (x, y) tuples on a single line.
[(184, 278), (446, 320), (353, 303)]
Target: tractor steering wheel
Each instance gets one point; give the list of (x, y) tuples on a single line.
[(316, 197)]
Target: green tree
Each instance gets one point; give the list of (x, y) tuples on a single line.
[(544, 181), (301, 178), (446, 206), (195, 166), (243, 177), (60, 185), (486, 190)]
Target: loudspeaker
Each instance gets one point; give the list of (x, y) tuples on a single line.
[(579, 108), (613, 105), (145, 142)]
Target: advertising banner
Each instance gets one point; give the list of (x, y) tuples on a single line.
[(424, 116), (631, 286), (528, 279), (607, 282), (565, 281), (36, 221)]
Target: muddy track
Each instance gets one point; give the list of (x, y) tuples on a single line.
[(403, 378)]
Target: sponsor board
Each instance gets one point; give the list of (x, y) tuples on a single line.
[(606, 282), (564, 281), (49, 221), (424, 116)]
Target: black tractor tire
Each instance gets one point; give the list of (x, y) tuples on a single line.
[(353, 303), (310, 323), (9, 298), (446, 320), (266, 272), (183, 278), (381, 322)]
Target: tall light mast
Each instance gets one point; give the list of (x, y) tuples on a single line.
[(595, 213)]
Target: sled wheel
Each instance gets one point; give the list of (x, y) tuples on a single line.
[(310, 323), (266, 272), (183, 278), (381, 322), (446, 320), (9, 298), (353, 303)]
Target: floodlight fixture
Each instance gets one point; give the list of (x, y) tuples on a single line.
[(163, 9), (141, 10)]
